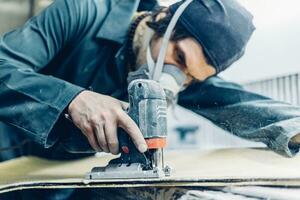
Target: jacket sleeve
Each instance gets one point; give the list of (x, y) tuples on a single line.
[(30, 101), (147, 5), (245, 114)]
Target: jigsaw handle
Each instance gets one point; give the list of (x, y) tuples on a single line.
[(123, 141), (148, 108)]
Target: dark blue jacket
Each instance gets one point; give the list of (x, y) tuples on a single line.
[(78, 44)]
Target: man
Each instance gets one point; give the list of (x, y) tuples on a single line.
[(74, 58)]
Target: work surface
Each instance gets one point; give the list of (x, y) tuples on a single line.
[(230, 167)]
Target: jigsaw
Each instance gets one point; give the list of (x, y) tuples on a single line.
[(148, 108)]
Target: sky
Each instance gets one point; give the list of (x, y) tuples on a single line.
[(273, 49)]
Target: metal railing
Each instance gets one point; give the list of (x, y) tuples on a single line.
[(284, 88)]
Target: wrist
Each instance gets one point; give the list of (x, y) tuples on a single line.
[(74, 102)]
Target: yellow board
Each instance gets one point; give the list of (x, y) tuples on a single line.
[(228, 167)]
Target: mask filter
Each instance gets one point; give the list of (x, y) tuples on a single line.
[(171, 80)]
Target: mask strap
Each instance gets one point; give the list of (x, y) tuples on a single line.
[(162, 53), (150, 62)]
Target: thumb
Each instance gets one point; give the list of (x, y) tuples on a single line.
[(124, 105)]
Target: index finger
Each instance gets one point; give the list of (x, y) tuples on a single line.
[(133, 131), (124, 105)]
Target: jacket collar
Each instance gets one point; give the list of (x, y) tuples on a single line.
[(118, 20)]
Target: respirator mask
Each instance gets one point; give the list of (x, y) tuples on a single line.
[(170, 77)]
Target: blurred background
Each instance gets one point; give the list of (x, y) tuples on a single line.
[(270, 65)]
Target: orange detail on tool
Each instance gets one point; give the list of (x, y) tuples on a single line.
[(156, 143), (125, 149)]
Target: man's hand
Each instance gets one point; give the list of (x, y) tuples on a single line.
[(98, 117), (295, 140)]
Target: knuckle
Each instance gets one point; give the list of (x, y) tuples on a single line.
[(94, 119), (106, 115), (113, 143), (129, 128), (102, 144), (87, 128), (119, 113)]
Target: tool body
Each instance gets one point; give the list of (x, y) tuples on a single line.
[(148, 108)]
